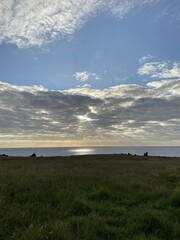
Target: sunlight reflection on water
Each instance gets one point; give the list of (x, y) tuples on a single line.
[(81, 151)]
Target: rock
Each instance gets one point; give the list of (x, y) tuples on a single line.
[(146, 154), (4, 155), (33, 155)]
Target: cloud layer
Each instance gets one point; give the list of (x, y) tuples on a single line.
[(121, 115), (37, 22)]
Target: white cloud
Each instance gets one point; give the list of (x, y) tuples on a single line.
[(151, 68), (85, 76), (160, 70), (171, 87), (36, 22), (145, 59), (153, 89), (95, 76), (167, 72), (82, 76), (86, 86), (119, 91)]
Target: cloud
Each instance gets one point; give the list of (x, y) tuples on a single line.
[(37, 22), (124, 115), (86, 86), (160, 70), (82, 76), (171, 87), (95, 76), (145, 59), (85, 76), (169, 9)]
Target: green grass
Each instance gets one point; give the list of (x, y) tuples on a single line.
[(90, 197)]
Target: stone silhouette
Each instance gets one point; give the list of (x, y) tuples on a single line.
[(33, 155), (146, 154), (3, 155)]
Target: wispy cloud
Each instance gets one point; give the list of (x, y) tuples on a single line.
[(169, 9), (145, 59), (37, 22), (95, 76), (125, 113)]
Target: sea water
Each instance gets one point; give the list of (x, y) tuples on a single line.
[(68, 151)]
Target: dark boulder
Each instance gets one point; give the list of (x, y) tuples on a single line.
[(3, 155), (33, 155)]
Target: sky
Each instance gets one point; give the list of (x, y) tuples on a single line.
[(89, 73)]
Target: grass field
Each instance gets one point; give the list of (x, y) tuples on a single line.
[(90, 197)]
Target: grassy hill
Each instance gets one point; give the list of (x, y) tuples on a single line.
[(90, 197)]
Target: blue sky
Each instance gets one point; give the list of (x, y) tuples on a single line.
[(85, 48)]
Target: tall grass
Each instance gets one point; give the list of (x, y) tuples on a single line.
[(90, 198)]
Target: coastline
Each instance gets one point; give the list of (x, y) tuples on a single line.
[(68, 151)]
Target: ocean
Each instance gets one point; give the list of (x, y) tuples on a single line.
[(68, 151)]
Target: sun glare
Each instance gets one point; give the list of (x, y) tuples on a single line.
[(84, 118)]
